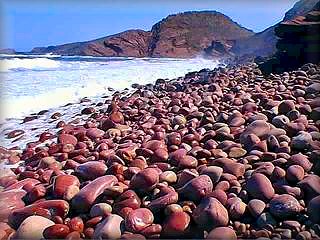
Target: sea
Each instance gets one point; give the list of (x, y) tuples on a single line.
[(31, 83)]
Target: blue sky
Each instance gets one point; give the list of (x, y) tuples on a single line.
[(28, 24)]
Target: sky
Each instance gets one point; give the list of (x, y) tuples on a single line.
[(33, 23)]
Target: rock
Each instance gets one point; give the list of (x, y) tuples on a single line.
[(300, 160), (304, 235), (127, 199), (95, 133), (286, 106), (15, 133), (110, 228), (266, 219), (145, 180), (65, 186), (91, 170), (295, 173), (213, 172), (302, 141), (9, 201), (67, 139), (100, 209), (260, 187), (176, 224), (237, 210), (315, 114), (48, 208), (313, 209), (237, 152), (83, 200), (230, 166), (280, 121), (138, 219), (168, 176), (32, 228), (222, 233), (259, 128), (196, 188), (284, 206), (256, 207), (210, 213), (313, 88), (56, 231)]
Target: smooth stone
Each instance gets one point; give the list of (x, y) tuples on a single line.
[(64, 184), (236, 152), (301, 141), (210, 213), (168, 176), (249, 140), (313, 209), (260, 187), (313, 88), (258, 127), (145, 180), (95, 133), (196, 188), (237, 210), (286, 106), (91, 170), (67, 139), (304, 235), (32, 228), (301, 160), (295, 173), (265, 219), (222, 233), (284, 206), (176, 224), (213, 172), (56, 231), (256, 207), (280, 121), (100, 209), (138, 219), (110, 228)]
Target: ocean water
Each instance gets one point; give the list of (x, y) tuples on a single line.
[(30, 84)]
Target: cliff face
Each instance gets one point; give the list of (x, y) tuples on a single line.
[(7, 51), (298, 43), (188, 34), (181, 35), (129, 43), (264, 43)]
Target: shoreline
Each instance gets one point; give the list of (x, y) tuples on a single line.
[(216, 150), (104, 81)]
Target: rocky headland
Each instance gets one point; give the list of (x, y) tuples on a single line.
[(225, 153), (182, 35), (186, 35)]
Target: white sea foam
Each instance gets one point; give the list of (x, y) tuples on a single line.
[(13, 64), (33, 84)]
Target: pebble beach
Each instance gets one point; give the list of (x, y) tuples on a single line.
[(227, 153)]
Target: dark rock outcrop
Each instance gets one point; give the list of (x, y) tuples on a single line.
[(264, 43), (298, 43)]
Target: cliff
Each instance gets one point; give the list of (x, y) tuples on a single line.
[(264, 43), (189, 34), (181, 35), (129, 43), (298, 43)]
